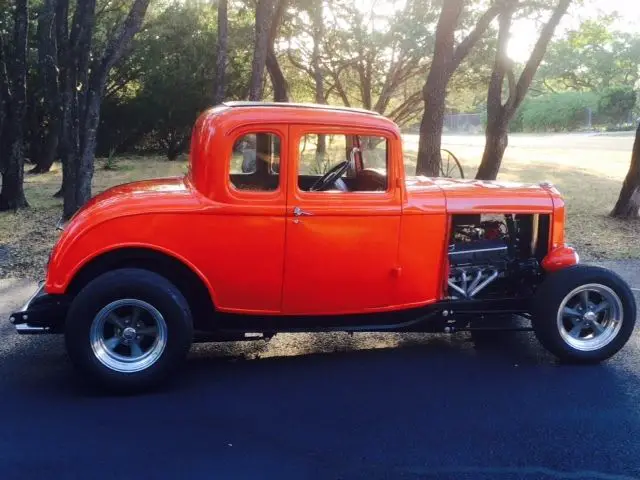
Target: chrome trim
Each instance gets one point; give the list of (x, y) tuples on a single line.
[(26, 329), (40, 288), (60, 224), (298, 212), (494, 249), (482, 286)]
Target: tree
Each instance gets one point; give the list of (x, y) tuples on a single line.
[(13, 95), (447, 57), (317, 22), (261, 46), (616, 103), (593, 57), (155, 94), (499, 114), (628, 204), (278, 80), (85, 80), (221, 58), (48, 72), (364, 59)]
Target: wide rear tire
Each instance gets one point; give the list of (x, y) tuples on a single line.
[(128, 330), (583, 314)]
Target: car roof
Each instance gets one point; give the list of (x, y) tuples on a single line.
[(308, 106)]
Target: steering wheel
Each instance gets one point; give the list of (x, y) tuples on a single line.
[(330, 177)]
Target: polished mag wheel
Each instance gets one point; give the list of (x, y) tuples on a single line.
[(128, 335), (583, 314), (590, 317)]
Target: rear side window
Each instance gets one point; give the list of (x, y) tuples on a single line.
[(255, 162)]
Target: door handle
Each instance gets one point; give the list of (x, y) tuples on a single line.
[(298, 212)]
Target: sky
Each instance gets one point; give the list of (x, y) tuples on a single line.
[(524, 34)]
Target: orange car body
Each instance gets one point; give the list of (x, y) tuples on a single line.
[(355, 253)]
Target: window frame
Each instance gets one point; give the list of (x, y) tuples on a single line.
[(299, 131), (257, 195)]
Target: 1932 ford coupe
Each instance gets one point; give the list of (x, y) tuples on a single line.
[(300, 218)]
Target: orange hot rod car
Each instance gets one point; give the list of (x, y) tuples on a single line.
[(301, 218)]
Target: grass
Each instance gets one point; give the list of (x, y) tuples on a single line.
[(589, 176)]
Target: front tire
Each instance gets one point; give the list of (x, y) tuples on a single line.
[(128, 329), (583, 314)]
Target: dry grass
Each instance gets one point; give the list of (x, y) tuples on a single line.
[(589, 178)]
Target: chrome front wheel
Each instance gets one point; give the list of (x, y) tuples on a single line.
[(583, 314), (128, 335), (590, 317)]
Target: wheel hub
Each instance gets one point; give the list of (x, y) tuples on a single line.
[(129, 334), (590, 316)]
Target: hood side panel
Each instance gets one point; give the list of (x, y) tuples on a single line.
[(476, 196)]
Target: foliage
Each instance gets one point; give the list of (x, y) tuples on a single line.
[(569, 111), (173, 62), (592, 57), (558, 112), (616, 103)]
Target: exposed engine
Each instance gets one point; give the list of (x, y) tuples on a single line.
[(493, 255)]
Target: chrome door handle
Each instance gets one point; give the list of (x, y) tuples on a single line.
[(298, 212)]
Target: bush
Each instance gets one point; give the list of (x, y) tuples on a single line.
[(616, 103), (558, 112)]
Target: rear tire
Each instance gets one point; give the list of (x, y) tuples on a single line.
[(583, 314), (128, 330)]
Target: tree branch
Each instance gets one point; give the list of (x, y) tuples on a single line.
[(538, 53), (121, 40), (465, 46), (511, 80)]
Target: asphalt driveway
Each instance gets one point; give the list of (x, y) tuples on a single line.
[(326, 406)]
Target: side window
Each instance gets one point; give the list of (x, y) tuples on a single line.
[(255, 162), (342, 163)]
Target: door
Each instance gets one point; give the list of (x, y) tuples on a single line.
[(245, 241), (341, 235)]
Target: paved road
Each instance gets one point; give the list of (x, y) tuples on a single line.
[(430, 407)]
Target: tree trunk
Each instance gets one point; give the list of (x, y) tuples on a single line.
[(4, 109), (279, 82), (318, 78), (48, 66), (499, 114), (33, 134), (12, 190), (82, 105), (280, 85), (89, 137), (431, 126), (628, 204), (260, 48), (497, 139), (435, 91), (221, 58), (446, 59)]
